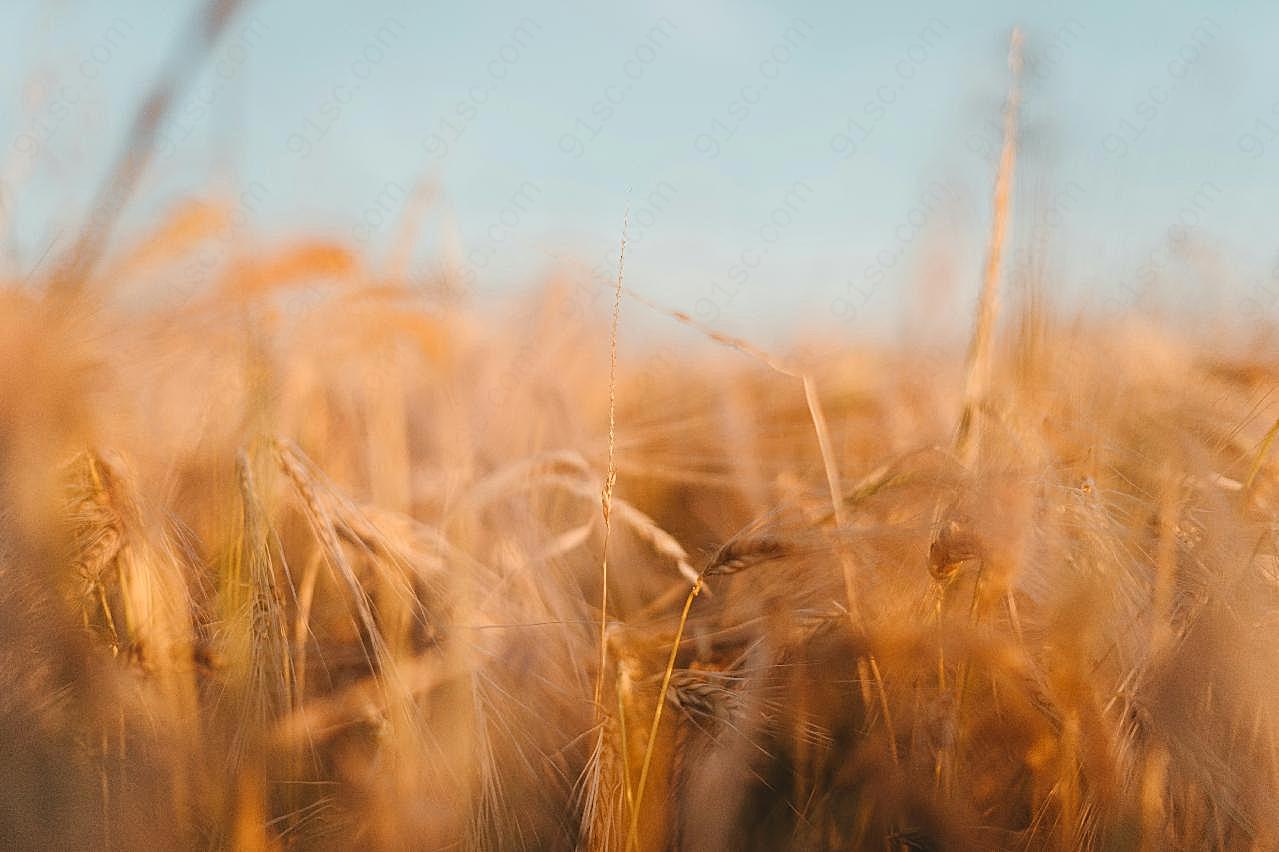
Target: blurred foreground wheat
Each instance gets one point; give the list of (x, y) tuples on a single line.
[(314, 558), (311, 574)]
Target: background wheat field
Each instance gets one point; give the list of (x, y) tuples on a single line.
[(328, 553)]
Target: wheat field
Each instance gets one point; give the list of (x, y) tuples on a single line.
[(285, 578), (320, 555)]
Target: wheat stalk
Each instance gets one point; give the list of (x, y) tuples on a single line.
[(978, 367)]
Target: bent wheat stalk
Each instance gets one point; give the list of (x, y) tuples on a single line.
[(632, 839)]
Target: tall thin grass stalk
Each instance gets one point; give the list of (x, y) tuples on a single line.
[(610, 478), (978, 368)]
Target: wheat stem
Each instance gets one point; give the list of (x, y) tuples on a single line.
[(606, 498), (978, 366), (633, 835)]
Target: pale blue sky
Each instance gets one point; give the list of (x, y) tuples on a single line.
[(865, 157)]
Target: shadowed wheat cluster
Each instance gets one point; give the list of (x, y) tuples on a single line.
[(317, 558)]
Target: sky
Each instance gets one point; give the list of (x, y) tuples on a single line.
[(825, 165)]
